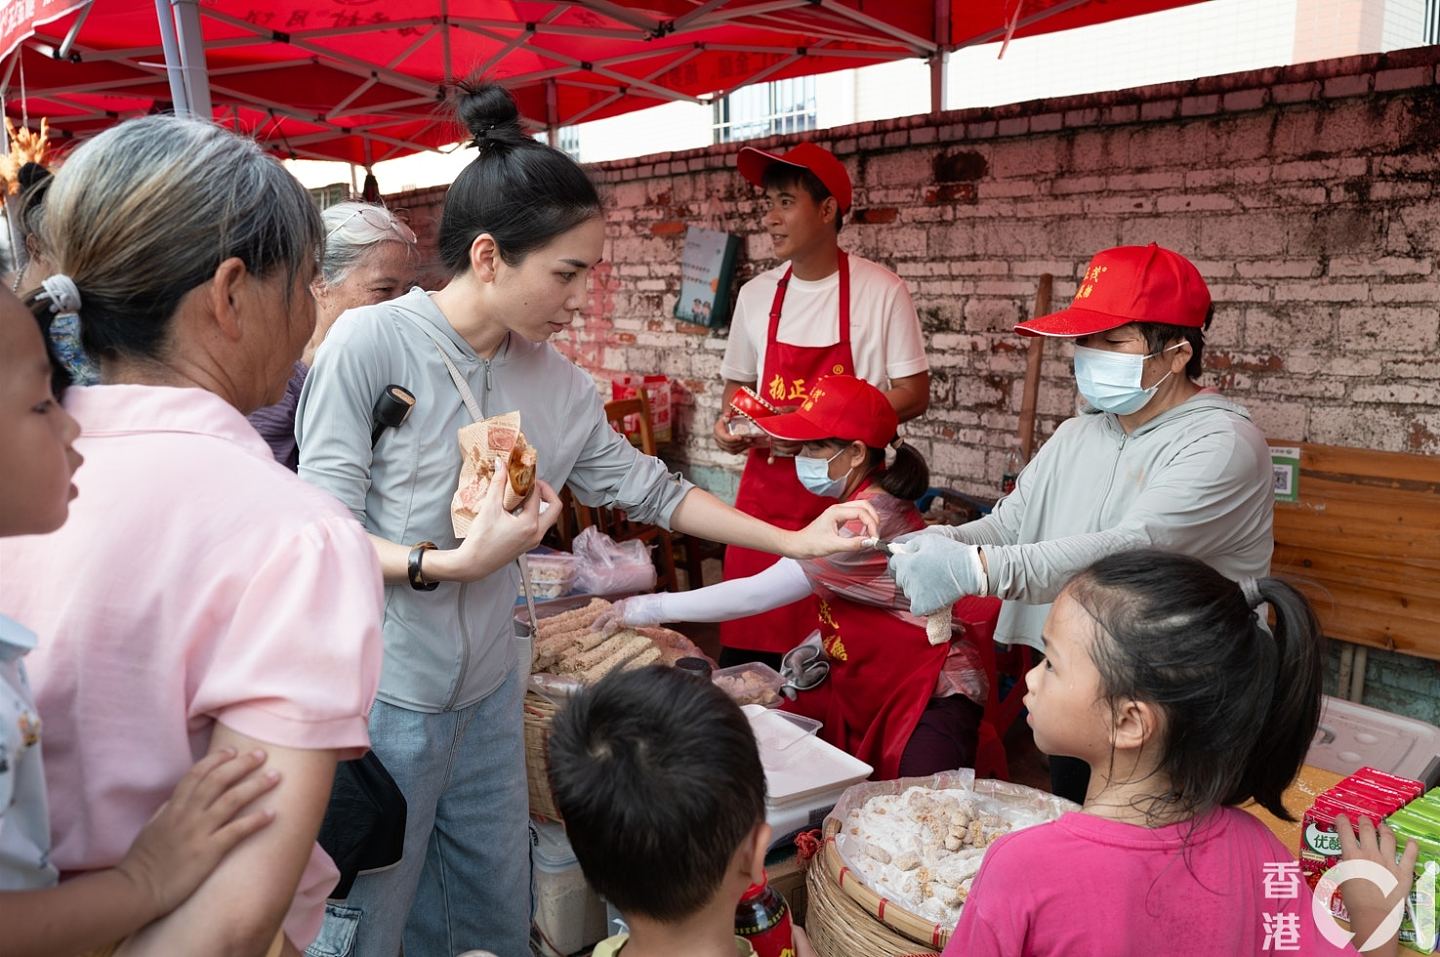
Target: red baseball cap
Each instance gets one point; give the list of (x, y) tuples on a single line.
[(818, 160), (838, 407), (1129, 284)]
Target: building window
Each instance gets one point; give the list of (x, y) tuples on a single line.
[(765, 109), (1432, 21), (568, 142)]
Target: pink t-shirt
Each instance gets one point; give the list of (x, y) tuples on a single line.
[(1084, 886), (195, 581)]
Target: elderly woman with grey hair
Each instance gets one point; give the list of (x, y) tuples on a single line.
[(180, 604), (369, 258)]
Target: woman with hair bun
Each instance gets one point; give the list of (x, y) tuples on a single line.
[(520, 233)]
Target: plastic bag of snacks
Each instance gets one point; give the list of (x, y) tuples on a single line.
[(604, 566)]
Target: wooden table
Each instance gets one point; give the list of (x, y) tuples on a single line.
[(1308, 784)]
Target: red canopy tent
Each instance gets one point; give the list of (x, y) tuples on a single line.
[(365, 80)]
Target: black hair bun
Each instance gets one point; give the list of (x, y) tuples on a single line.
[(31, 175), (490, 113)]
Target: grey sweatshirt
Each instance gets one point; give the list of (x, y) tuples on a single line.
[(1195, 480), (448, 648)]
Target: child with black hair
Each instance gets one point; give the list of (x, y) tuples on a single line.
[(659, 781), (1160, 674)]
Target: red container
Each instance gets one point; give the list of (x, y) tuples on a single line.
[(763, 918)]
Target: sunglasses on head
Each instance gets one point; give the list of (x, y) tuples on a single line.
[(377, 218)]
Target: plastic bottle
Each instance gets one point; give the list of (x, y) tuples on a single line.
[(1014, 462), (763, 918)]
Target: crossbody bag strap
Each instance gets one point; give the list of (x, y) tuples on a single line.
[(461, 386), (473, 406)]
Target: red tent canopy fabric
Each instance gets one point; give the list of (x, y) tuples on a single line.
[(366, 80)]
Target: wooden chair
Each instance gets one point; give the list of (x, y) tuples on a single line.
[(613, 522), (1363, 543)]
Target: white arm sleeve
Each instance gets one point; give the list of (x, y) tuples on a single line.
[(780, 584)]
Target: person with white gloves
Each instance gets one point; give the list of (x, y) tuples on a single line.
[(1153, 460), (894, 699)]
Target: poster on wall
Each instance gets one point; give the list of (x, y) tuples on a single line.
[(707, 273)]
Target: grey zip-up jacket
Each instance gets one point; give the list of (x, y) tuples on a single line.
[(448, 648), (1194, 480)]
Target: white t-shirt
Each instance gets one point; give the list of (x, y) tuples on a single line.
[(885, 338)]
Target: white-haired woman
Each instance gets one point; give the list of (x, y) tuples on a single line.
[(369, 258)]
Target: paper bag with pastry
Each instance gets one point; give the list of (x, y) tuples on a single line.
[(498, 437)]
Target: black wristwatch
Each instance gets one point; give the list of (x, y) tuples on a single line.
[(412, 566)]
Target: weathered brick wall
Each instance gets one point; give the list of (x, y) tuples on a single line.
[(1306, 195)]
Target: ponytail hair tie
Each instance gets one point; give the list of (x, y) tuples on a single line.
[(63, 330), (62, 292), (1250, 588)]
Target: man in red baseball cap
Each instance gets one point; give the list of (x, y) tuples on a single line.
[(820, 312), (1153, 460)]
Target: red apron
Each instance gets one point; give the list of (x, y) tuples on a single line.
[(769, 489), (883, 673)]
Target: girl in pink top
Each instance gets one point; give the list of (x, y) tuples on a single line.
[(1160, 673)]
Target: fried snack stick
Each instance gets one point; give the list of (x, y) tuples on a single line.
[(626, 649), (586, 660), (569, 619), (553, 650), (647, 657)]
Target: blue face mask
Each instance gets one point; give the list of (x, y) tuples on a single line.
[(1110, 381), (814, 474)]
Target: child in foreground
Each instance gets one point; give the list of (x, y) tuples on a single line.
[(1160, 675), (659, 781), (201, 822)]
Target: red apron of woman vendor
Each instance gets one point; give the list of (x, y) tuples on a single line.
[(897, 702)]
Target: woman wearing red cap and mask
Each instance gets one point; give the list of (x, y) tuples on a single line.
[(892, 699)]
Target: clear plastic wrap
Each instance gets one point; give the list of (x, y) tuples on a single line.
[(901, 852), (604, 566)]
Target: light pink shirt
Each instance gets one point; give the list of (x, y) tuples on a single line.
[(195, 581), (1084, 886)]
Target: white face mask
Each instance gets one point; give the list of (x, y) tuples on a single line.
[(814, 474), (1110, 381)]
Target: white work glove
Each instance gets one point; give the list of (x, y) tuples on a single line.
[(638, 611), (936, 572)]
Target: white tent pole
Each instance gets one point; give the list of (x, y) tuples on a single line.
[(192, 54), (552, 113), (174, 69), (940, 57)]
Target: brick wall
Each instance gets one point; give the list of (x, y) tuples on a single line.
[(1306, 195)]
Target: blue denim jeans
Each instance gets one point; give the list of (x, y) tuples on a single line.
[(464, 881)]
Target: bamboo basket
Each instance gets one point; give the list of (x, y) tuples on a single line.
[(839, 927), (539, 715), (919, 934)]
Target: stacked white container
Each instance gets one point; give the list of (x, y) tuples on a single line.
[(567, 911)]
